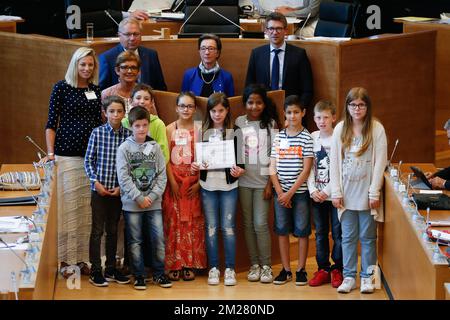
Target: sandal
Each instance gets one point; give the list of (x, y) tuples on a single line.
[(174, 275), (188, 274)]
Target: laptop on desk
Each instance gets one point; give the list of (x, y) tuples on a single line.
[(421, 182)]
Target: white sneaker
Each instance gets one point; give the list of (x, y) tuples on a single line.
[(254, 273), (230, 277), (266, 275), (366, 285), (214, 276), (347, 285)]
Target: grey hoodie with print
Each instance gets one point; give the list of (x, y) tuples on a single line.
[(141, 170)]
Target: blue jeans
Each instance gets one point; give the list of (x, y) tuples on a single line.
[(219, 208), (322, 214), (152, 222), (358, 225), (295, 220)]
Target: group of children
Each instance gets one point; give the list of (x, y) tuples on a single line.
[(179, 223)]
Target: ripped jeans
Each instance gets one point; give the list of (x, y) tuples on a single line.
[(219, 208)]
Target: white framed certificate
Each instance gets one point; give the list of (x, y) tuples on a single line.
[(215, 155)]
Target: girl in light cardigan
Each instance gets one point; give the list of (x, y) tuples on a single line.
[(358, 159)]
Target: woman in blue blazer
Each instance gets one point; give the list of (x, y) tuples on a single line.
[(208, 77)]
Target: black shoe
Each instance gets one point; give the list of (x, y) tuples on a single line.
[(139, 283), (283, 277), (117, 276), (162, 281), (300, 278), (97, 279)]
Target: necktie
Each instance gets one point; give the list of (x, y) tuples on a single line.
[(275, 79)]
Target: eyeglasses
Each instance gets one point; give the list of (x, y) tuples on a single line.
[(131, 68), (210, 49), (272, 29), (361, 106), (186, 106), (128, 35)]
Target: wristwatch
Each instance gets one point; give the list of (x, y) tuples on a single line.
[(50, 154)]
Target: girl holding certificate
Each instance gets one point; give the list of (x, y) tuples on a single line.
[(219, 192)]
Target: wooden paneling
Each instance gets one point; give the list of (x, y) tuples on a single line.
[(442, 70), (398, 72)]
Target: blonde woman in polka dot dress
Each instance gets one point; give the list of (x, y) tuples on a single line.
[(74, 110)]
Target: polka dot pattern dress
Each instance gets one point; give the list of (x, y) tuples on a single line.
[(73, 116)]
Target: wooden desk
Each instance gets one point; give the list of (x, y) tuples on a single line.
[(46, 272), (442, 66), (403, 255), (9, 26)]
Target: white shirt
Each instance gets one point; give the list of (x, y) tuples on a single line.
[(281, 59)]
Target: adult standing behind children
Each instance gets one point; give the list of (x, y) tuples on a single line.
[(358, 159), (184, 223), (320, 191), (127, 68), (130, 40), (100, 166), (141, 170), (74, 111), (208, 77), (280, 65)]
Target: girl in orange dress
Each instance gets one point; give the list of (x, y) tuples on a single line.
[(184, 225)]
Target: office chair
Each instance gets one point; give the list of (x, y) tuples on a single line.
[(335, 19), (93, 11), (205, 21)]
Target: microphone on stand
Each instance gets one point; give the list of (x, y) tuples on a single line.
[(304, 24), (110, 16), (188, 18), (35, 144), (221, 15), (392, 154)]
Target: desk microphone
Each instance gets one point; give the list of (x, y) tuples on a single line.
[(221, 15), (392, 154), (110, 16), (304, 24), (35, 144), (188, 18)]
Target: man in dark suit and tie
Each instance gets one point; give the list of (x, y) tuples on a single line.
[(130, 39), (279, 65)]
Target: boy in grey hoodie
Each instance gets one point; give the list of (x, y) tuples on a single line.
[(141, 171)]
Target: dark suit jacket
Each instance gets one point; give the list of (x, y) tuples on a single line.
[(297, 75), (444, 174), (151, 72)]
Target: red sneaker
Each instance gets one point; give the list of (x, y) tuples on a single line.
[(336, 278), (320, 277)]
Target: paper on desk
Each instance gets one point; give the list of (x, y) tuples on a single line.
[(293, 20), (414, 19), (334, 39), (248, 20), (10, 18), (430, 191), (9, 223), (153, 6)]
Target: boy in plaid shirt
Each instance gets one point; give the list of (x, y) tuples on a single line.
[(100, 166)]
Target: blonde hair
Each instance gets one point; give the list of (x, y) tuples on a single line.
[(72, 69), (325, 105), (347, 129)]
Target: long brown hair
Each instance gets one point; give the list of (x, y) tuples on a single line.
[(214, 100), (347, 129)]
